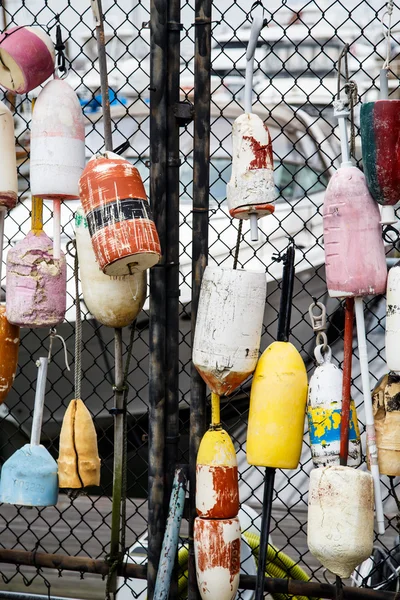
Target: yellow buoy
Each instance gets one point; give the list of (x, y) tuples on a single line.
[(277, 408)]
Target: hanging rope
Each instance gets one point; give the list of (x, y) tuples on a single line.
[(387, 32)]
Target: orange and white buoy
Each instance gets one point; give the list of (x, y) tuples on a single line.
[(124, 237)]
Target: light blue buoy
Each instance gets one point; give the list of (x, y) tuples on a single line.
[(29, 477)]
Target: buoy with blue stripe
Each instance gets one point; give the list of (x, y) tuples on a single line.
[(121, 226)]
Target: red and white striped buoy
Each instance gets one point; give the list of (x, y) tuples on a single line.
[(124, 237), (26, 58)]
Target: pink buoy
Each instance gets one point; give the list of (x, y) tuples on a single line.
[(26, 58), (354, 250), (36, 283)]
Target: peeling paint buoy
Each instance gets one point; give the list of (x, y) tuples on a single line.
[(113, 301), (57, 142), (217, 555), (8, 163), (26, 58), (9, 345), (228, 327), (277, 408), (124, 237), (36, 283), (340, 518), (324, 414), (217, 490), (386, 407)]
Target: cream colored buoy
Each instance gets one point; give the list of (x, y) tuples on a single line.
[(277, 408), (57, 142), (228, 327), (393, 319), (217, 555), (340, 518), (8, 162), (386, 407), (114, 302)]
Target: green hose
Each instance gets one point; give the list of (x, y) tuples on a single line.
[(279, 565)]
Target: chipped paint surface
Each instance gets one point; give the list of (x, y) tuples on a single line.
[(340, 517), (8, 163), (277, 408), (36, 283), (351, 221), (9, 346), (228, 327), (217, 492), (324, 418), (393, 319), (217, 553), (124, 237), (114, 302), (386, 409), (27, 58), (57, 142), (251, 186)]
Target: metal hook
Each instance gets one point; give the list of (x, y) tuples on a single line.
[(318, 321), (54, 334)]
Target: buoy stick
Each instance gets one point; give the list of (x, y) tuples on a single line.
[(39, 401), (2, 216), (369, 417), (215, 410), (383, 84), (253, 227), (346, 388), (57, 229), (285, 311), (37, 215)]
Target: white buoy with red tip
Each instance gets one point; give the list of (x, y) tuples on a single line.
[(26, 58), (340, 531), (351, 222), (228, 327), (251, 189), (217, 555)]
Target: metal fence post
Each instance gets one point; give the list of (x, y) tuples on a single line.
[(201, 155), (157, 326)]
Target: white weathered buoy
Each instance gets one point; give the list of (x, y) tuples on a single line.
[(386, 407), (57, 142), (228, 327), (26, 58), (113, 301), (217, 554), (8, 162), (324, 414), (340, 518), (393, 319)]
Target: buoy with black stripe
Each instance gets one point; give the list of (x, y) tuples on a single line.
[(124, 237)]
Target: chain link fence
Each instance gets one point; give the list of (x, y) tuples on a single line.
[(294, 83)]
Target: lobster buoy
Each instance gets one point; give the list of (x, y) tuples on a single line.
[(324, 415), (217, 490), (380, 130), (114, 302), (351, 221), (340, 518), (277, 408), (124, 237), (57, 142), (217, 556), (392, 332), (26, 58), (386, 407), (8, 163), (228, 326), (251, 189), (9, 345), (36, 283)]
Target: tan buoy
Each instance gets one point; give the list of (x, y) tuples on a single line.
[(386, 407), (113, 301), (340, 518)]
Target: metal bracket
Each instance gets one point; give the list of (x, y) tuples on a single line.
[(184, 112)]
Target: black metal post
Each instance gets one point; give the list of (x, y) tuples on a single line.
[(201, 156), (157, 324), (172, 262), (285, 312)]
